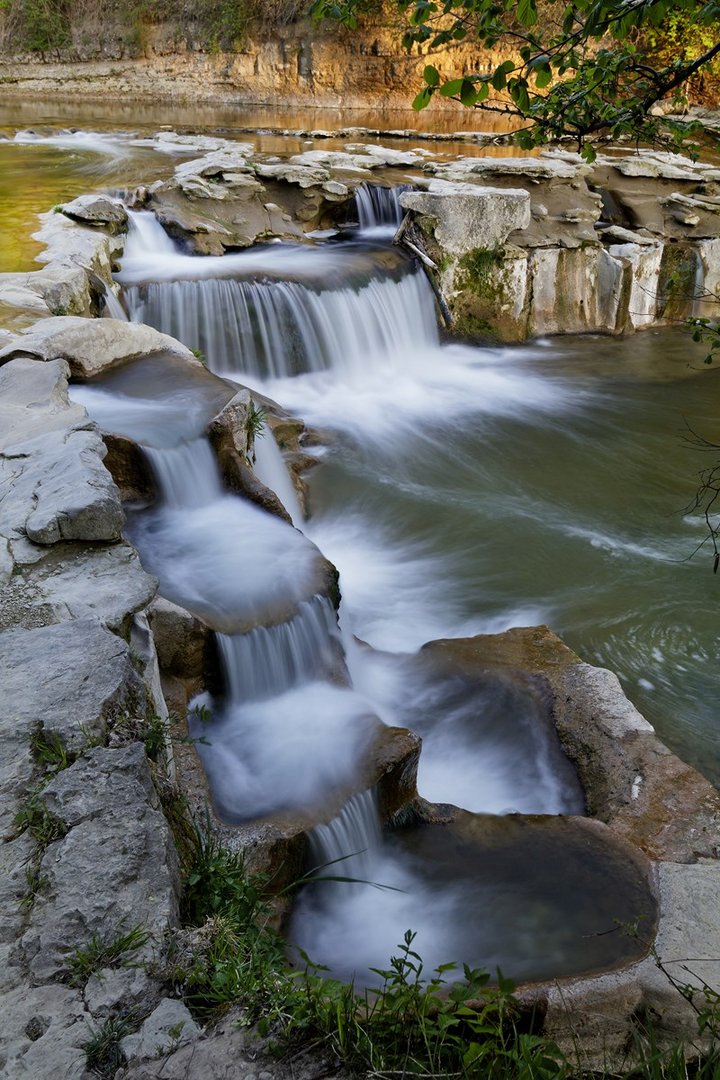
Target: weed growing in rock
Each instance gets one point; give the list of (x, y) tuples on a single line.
[(101, 952), (43, 826), (154, 736), (102, 1052), (235, 956), (36, 883), (49, 751)]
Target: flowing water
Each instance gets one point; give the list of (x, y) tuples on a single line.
[(465, 490)]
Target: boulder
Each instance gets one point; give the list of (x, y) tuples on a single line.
[(92, 346), (54, 487), (464, 217), (97, 210)]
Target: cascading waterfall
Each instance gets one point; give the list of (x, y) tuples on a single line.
[(351, 840), (291, 728), (272, 659), (270, 468), (379, 208), (187, 474), (276, 329)]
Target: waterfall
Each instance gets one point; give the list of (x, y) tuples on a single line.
[(146, 237), (353, 836), (113, 307), (187, 475), (379, 208), (278, 329), (271, 659), (270, 468)]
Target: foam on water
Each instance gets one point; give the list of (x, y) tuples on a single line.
[(227, 560), (285, 752)]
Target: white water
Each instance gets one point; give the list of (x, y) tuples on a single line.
[(187, 474), (379, 210), (260, 330), (351, 841), (270, 468), (272, 659)]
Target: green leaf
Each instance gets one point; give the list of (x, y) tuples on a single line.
[(527, 12), (543, 76), (431, 75), (423, 98), (452, 88), (468, 93)]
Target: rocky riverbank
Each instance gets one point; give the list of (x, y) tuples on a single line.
[(95, 772)]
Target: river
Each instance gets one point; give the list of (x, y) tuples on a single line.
[(466, 490)]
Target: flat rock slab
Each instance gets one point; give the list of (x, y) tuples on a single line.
[(34, 399), (42, 1034), (69, 680), (52, 585), (55, 487), (92, 345), (114, 870)]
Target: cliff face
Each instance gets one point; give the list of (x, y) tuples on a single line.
[(300, 64)]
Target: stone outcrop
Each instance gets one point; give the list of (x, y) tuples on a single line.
[(649, 799), (87, 856), (611, 248), (93, 347)]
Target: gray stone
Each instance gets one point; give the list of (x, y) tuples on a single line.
[(169, 1026), (54, 487), (466, 217), (231, 424), (92, 346), (217, 162), (42, 1034), (15, 864), (97, 210), (52, 585), (304, 175), (121, 991), (34, 400), (115, 869), (70, 679)]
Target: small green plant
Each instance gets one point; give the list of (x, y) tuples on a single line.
[(35, 817), (36, 883), (155, 736), (416, 1026), (49, 751), (102, 1051), (200, 355), (102, 952), (256, 421)]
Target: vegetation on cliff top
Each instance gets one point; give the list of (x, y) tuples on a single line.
[(588, 68)]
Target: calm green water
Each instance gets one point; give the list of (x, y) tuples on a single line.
[(570, 515)]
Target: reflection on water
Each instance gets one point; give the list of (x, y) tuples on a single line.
[(34, 177)]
